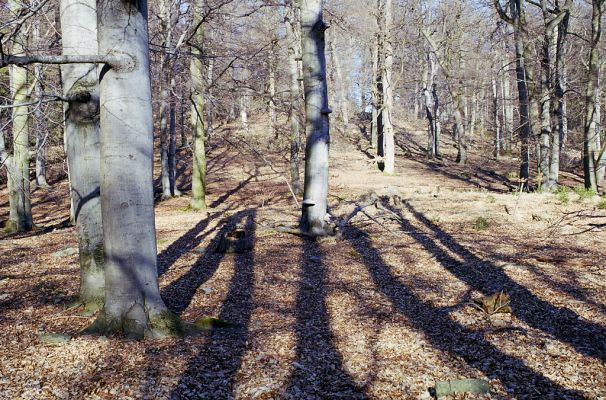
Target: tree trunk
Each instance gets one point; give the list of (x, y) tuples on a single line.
[(342, 87), (497, 122), (294, 54), (41, 131), (20, 214), (317, 129), (388, 135), (198, 184), (377, 96), (271, 103), (591, 152), (436, 120), (82, 144), (132, 297)]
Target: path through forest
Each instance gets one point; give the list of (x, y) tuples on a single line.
[(382, 314)]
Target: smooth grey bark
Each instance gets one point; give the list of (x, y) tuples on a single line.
[(198, 183), (591, 152), (376, 128), (388, 134), (341, 83), (20, 212), (167, 111), (314, 219), (82, 144), (41, 132), (507, 105), (132, 297), (496, 120), (292, 23), (271, 101)]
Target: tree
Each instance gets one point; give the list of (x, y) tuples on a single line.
[(132, 296), (82, 144), (293, 38), (20, 216), (198, 200), (593, 156), (314, 219)]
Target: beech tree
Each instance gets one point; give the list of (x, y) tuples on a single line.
[(315, 218), (132, 297), (20, 218), (198, 201), (82, 144)]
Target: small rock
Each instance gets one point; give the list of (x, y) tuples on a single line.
[(4, 296), (207, 290), (66, 252), (55, 338)]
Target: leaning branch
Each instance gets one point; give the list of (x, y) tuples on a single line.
[(114, 61)]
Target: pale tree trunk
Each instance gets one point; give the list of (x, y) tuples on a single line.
[(507, 105), (497, 122), (294, 54), (198, 184), (342, 87), (20, 214), (474, 113), (41, 131), (168, 146), (376, 128), (549, 144), (243, 110), (314, 219), (460, 128), (132, 297), (210, 113), (438, 126), (82, 144), (429, 103), (271, 103), (388, 134), (591, 151)]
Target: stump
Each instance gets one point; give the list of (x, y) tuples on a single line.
[(235, 241)]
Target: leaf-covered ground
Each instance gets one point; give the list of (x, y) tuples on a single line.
[(382, 314)]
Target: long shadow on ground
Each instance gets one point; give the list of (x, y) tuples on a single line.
[(564, 324), (185, 244), (211, 373), (318, 372), (451, 337), (179, 293)]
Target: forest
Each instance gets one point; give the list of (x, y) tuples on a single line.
[(302, 199)]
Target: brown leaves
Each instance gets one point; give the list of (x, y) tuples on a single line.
[(493, 304)]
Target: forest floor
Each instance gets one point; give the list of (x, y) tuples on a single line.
[(382, 314)]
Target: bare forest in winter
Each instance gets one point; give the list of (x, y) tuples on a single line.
[(302, 199)]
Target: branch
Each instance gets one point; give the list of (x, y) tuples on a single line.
[(502, 13), (114, 61)]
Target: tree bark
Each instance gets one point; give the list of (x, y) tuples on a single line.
[(388, 135), (314, 219), (20, 213), (132, 297), (82, 144), (591, 152), (198, 201), (294, 54), (497, 122), (41, 131)]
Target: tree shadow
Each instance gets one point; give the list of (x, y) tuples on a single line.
[(179, 293), (185, 244), (451, 337), (212, 372), (318, 370), (564, 324)]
